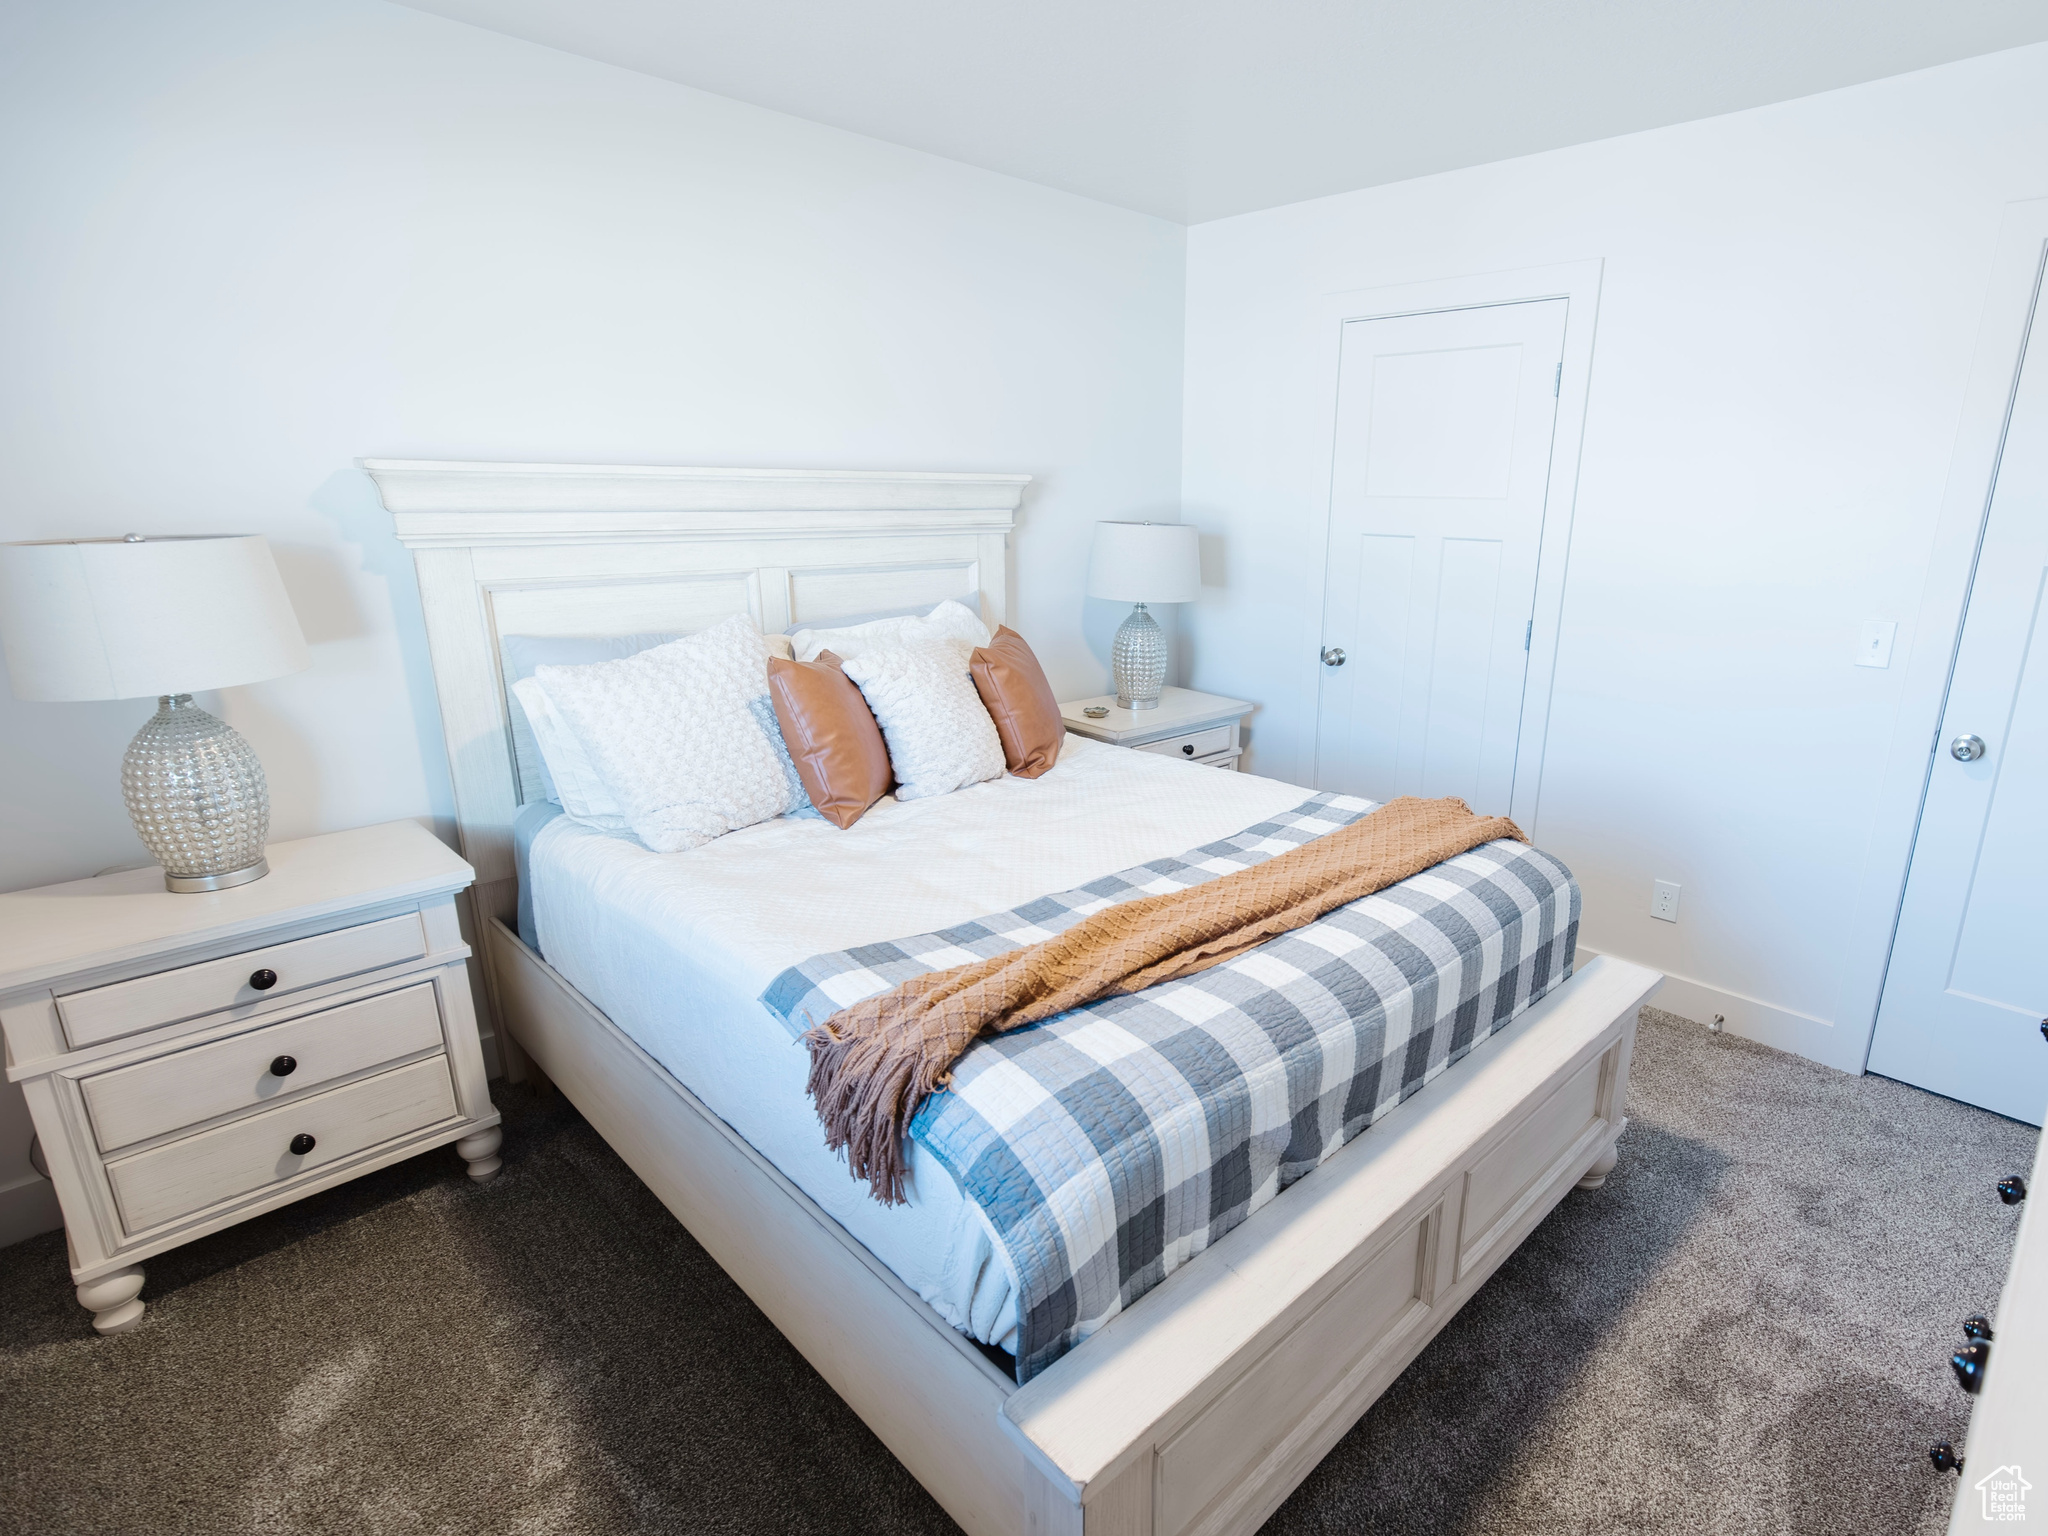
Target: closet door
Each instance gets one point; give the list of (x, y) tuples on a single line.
[(1442, 460), (1966, 996)]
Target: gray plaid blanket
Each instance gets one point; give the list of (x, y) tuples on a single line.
[(1111, 1144)]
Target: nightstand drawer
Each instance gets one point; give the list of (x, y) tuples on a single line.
[(246, 1155), (105, 1013), (135, 1103), (1217, 738)]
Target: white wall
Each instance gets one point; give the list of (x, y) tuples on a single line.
[(246, 243), (1789, 305)]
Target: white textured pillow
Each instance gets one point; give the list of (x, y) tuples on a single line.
[(948, 621), (680, 735), (578, 786), (939, 733)]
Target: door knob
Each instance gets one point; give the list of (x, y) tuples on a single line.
[(1333, 656), (1966, 749), (2012, 1189), (1969, 1363)]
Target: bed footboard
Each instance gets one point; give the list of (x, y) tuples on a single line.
[(1198, 1411)]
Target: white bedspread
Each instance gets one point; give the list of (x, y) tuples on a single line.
[(677, 948)]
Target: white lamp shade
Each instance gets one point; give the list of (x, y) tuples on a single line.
[(111, 619), (1146, 563)]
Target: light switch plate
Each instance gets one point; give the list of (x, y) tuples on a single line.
[(1874, 643), (1664, 901)]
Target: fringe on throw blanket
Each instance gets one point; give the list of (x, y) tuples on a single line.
[(874, 1063)]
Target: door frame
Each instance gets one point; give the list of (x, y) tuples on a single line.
[(1576, 282), (2017, 269)]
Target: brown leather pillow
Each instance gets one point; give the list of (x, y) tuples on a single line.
[(1013, 687), (831, 734)]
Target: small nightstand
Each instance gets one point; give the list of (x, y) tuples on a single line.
[(1197, 727), (193, 1060)]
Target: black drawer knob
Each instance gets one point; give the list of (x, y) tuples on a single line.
[(302, 1144), (1944, 1457), (263, 980), (1977, 1326), (1188, 747), (1970, 1363), (284, 1066), (2012, 1189)]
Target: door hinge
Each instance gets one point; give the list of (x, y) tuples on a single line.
[(1557, 384), (1528, 629)]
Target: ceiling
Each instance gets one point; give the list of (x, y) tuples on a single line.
[(1198, 109)]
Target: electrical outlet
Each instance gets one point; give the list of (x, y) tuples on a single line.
[(1664, 901), (1874, 643)]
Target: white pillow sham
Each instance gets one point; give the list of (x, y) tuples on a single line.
[(578, 789), (939, 733), (948, 621), (682, 735), (523, 653)]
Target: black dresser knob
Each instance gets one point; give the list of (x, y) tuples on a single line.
[(1944, 1457), (2012, 1189), (1188, 747), (302, 1144), (284, 1066), (1970, 1363), (263, 980), (1977, 1326)]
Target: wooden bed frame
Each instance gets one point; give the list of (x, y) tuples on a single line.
[(1198, 1410)]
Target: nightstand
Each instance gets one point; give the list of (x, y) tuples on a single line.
[(193, 1060), (1196, 727)]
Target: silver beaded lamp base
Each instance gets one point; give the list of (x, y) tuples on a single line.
[(1137, 658), (189, 883), (198, 798)]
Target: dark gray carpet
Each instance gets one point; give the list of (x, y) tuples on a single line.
[(1745, 1331)]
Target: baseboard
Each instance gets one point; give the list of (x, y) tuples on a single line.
[(1783, 1029), (28, 1206)]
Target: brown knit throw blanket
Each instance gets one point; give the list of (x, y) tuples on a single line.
[(874, 1063)]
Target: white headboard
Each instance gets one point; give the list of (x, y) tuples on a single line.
[(572, 549)]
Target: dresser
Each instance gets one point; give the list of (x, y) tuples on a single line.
[(1195, 727), (193, 1060)]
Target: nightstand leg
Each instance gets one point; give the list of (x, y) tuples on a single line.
[(1603, 1165), (481, 1153), (115, 1300)]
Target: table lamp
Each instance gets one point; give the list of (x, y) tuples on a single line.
[(129, 617), (1143, 563)]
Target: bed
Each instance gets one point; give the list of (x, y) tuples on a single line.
[(1198, 1407)]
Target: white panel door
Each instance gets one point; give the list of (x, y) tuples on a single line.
[(1966, 994), (1441, 464)]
